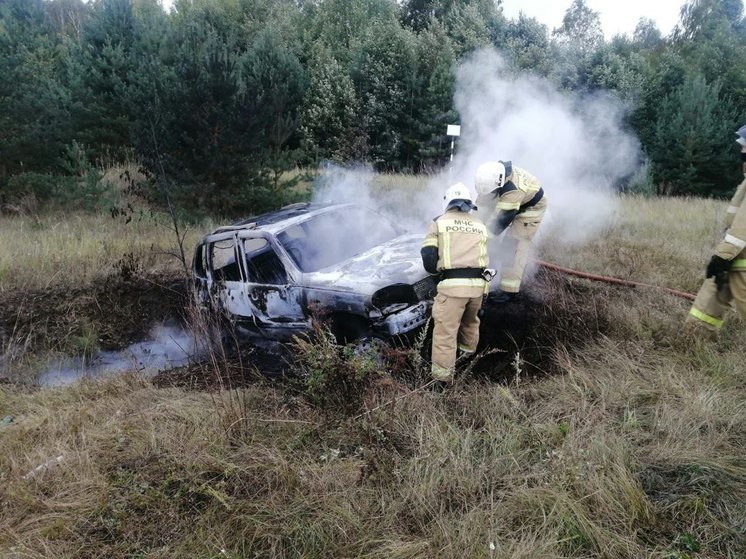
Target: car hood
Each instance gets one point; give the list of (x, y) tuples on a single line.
[(397, 261)]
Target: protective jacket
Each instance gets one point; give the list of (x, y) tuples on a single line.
[(714, 299), (736, 202), (735, 224), (519, 194), (456, 247), (733, 245)]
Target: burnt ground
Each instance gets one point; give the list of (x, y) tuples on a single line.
[(553, 311), (115, 312), (109, 314)]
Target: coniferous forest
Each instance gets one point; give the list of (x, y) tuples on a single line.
[(219, 99)]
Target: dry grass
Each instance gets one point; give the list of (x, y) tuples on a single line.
[(62, 249), (665, 241), (633, 449), (39, 252), (383, 182), (617, 457)]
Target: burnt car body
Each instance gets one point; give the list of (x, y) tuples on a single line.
[(272, 273)]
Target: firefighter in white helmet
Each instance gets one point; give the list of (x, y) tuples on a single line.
[(520, 205), (456, 248), (725, 281)]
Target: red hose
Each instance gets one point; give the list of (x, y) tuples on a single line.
[(607, 279)]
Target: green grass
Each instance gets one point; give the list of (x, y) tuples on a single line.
[(633, 447)]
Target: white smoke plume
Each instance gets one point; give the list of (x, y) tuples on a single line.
[(399, 202), (576, 145)]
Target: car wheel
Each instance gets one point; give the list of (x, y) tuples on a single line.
[(370, 344), (372, 347)]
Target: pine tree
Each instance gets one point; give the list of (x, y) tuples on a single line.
[(690, 149), (330, 112)]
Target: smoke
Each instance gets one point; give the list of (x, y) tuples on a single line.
[(398, 199), (575, 144), (167, 347)]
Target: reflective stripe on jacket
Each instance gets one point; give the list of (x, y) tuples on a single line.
[(734, 242), (461, 239), (520, 188)]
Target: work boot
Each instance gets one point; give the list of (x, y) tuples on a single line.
[(442, 378), (499, 297), (463, 355)]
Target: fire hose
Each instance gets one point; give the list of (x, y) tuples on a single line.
[(616, 281)]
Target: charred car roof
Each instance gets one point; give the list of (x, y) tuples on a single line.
[(283, 218)]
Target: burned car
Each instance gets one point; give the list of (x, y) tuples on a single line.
[(270, 274)]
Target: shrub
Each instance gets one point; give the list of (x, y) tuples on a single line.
[(42, 186), (334, 377), (87, 192)]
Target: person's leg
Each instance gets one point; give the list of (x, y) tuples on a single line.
[(738, 291), (710, 307), (521, 234), (447, 313), (468, 333)]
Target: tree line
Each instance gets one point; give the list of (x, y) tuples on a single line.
[(217, 99)]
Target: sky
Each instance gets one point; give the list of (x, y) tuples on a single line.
[(616, 16)]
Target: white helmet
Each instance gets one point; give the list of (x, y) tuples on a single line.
[(490, 175), (458, 191)]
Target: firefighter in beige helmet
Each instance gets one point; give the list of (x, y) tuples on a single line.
[(725, 281), (520, 205), (456, 248)]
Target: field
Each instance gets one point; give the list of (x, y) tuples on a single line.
[(593, 426)]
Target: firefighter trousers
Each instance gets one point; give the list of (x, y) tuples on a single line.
[(518, 240), (456, 326), (712, 304)]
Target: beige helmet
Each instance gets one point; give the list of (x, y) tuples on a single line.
[(458, 191), (490, 175)]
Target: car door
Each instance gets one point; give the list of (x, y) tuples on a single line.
[(200, 279), (270, 289), (226, 284)]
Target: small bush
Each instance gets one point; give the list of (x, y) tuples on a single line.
[(41, 186), (87, 192), (334, 377)]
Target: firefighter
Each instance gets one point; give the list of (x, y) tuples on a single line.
[(456, 248), (725, 275), (520, 207)]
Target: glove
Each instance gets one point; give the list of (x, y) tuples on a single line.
[(717, 267)]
